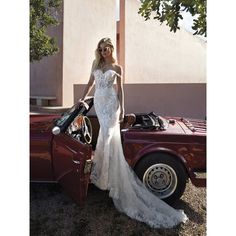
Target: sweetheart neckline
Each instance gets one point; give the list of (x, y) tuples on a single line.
[(106, 71)]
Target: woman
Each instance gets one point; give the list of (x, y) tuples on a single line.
[(110, 170)]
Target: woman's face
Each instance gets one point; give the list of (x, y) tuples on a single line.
[(104, 50)]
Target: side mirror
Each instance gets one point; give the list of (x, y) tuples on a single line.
[(56, 130)]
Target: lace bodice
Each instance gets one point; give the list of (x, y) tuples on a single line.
[(106, 101), (105, 79)]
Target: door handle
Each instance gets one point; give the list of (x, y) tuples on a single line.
[(76, 162)]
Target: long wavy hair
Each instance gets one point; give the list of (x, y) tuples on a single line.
[(98, 63)]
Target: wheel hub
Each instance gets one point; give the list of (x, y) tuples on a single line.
[(161, 179)]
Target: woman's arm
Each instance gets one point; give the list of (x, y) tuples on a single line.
[(88, 87), (120, 92)]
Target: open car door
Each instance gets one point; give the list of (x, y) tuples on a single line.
[(71, 157), (72, 164)]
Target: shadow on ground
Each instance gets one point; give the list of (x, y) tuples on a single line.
[(52, 212)]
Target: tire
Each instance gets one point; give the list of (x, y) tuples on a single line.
[(163, 175)]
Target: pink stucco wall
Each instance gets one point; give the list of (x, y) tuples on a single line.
[(85, 23), (153, 54), (180, 99)]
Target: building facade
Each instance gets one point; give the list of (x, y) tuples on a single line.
[(164, 72)]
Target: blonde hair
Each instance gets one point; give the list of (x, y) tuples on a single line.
[(99, 60)]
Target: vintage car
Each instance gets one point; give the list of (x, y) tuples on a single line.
[(164, 152)]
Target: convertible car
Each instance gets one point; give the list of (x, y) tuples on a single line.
[(164, 152)]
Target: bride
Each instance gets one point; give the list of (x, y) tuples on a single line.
[(110, 170)]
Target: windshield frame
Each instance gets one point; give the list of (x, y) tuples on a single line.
[(65, 115), (67, 118)]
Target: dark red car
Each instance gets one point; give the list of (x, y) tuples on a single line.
[(163, 151)]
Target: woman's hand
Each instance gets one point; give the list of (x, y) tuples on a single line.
[(122, 115), (81, 101)]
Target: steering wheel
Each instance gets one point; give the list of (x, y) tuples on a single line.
[(86, 128), (82, 127)]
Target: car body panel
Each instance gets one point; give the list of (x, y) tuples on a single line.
[(59, 158), (69, 159), (177, 140), (40, 147)]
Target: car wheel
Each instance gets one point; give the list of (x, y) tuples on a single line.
[(163, 175)]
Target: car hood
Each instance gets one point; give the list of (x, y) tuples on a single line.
[(187, 125), (42, 121)]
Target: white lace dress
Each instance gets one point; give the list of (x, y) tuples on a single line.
[(110, 170)]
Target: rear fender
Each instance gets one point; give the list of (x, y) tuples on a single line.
[(149, 150)]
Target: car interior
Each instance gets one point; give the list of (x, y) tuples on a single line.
[(86, 128)]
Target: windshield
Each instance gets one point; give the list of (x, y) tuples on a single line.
[(68, 116), (65, 116)]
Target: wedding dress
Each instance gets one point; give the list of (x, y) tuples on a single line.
[(110, 170)]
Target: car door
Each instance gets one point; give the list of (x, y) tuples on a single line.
[(71, 165)]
